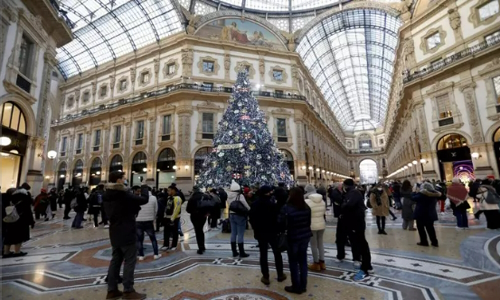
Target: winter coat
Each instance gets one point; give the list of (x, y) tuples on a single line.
[(192, 206), (53, 202), (297, 223), (318, 209), (223, 198), (425, 209), (149, 210), (482, 193), (337, 199), (94, 206), (382, 209), (121, 207), (41, 203), (264, 218), (408, 205), (232, 196), (353, 210), (19, 231), (81, 203), (309, 190), (322, 191)]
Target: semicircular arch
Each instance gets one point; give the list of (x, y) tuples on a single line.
[(26, 109), (438, 137)]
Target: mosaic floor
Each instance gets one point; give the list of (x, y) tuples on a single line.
[(71, 264)]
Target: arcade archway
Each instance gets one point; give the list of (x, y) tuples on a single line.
[(368, 171), (139, 168), (288, 157), (95, 172), (77, 174), (454, 158), (165, 168)]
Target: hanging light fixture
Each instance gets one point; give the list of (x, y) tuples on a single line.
[(5, 141)]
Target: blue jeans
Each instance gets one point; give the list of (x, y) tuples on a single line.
[(148, 228), (462, 220), (238, 226), (297, 259), (77, 221)]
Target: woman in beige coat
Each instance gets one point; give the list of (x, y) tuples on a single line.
[(380, 206)]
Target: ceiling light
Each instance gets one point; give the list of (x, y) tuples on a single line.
[(409, 164), (52, 154), (414, 162), (423, 161), (14, 151), (5, 141)]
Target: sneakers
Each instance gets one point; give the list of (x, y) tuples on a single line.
[(164, 248), (360, 275), (322, 265), (156, 256), (265, 280), (106, 226), (314, 267), (114, 295), (133, 296), (282, 278), (141, 258)]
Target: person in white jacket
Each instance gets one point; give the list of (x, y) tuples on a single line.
[(318, 225), (145, 220), (238, 220)]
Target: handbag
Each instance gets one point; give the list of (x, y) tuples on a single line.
[(238, 207), (282, 237), (11, 214)]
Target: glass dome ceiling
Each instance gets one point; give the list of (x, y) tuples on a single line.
[(351, 55), (280, 5), (106, 29)]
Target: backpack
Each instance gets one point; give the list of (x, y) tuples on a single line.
[(11, 214), (492, 197), (205, 204), (226, 226)]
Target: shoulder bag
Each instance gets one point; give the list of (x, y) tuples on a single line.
[(238, 207)]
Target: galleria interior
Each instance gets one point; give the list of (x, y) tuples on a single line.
[(377, 91)]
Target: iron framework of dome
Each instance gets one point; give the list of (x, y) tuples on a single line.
[(351, 54), (106, 29)]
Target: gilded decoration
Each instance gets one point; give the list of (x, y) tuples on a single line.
[(245, 64), (424, 40), (278, 75), (474, 17), (205, 69), (170, 62)]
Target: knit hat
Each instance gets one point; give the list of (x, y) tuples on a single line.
[(349, 182), (427, 187), (235, 187)]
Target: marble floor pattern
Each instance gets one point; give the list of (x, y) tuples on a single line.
[(71, 264)]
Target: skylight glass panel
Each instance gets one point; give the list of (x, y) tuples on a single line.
[(308, 4), (233, 2), (105, 30), (359, 44), (268, 5)]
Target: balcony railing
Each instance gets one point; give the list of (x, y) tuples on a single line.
[(167, 90), (363, 151), (471, 51)]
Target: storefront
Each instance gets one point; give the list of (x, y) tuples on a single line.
[(165, 168), (95, 172), (13, 143), (116, 163), (454, 158), (288, 157), (139, 169), (77, 174), (61, 176)]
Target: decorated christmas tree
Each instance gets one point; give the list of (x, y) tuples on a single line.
[(243, 148)]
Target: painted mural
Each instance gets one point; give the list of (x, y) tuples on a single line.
[(240, 31)]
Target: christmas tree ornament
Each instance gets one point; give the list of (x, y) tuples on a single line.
[(251, 147), (221, 154), (259, 156), (236, 111)]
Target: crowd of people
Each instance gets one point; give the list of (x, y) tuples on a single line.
[(284, 220)]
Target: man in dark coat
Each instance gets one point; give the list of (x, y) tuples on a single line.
[(353, 213), (337, 199), (69, 195), (121, 207), (264, 219), (281, 195), (198, 218)]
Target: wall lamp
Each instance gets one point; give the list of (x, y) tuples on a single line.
[(475, 155), (423, 161), (303, 167)]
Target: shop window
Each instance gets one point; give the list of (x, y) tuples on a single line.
[(208, 66), (79, 143), (496, 86), (208, 126), (433, 41), (97, 140), (171, 69), (166, 126), (64, 143), (281, 130), (139, 135), (488, 10), (117, 137), (26, 52), (86, 97), (13, 118)]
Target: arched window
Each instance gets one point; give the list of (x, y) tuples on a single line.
[(139, 168), (139, 158), (496, 135), (95, 172), (368, 173), (77, 173), (166, 155), (61, 175), (13, 118), (365, 141), (288, 157), (451, 141), (116, 163), (199, 159), (165, 168)]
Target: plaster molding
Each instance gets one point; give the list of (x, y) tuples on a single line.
[(208, 59), (241, 64), (283, 74), (474, 17), (165, 68), (430, 32)]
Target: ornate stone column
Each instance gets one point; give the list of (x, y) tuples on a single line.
[(301, 160), (183, 159), (126, 147), (105, 154), (227, 67), (150, 177)]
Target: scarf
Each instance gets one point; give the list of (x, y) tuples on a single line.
[(457, 193)]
